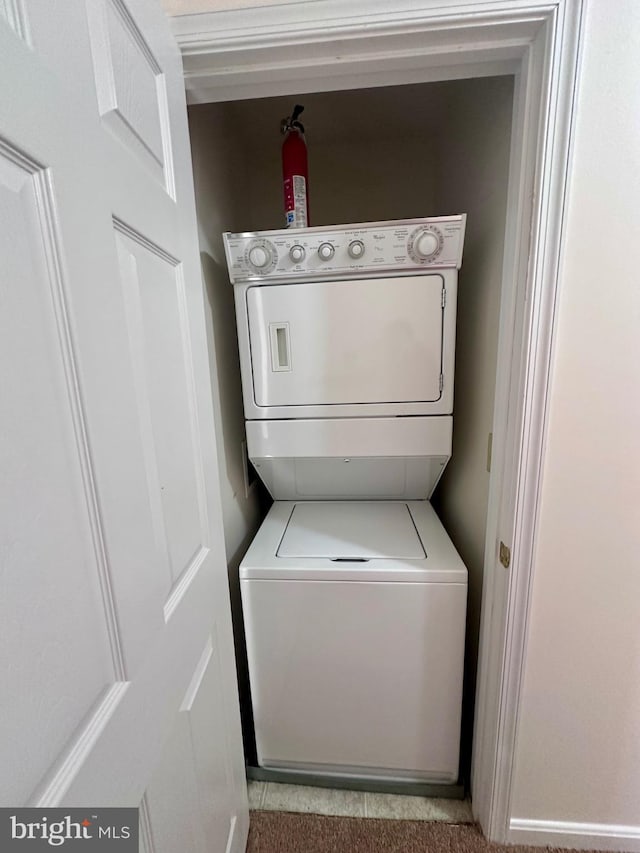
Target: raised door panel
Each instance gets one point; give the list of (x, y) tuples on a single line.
[(55, 617), (15, 15), (153, 289), (131, 88), (200, 807)]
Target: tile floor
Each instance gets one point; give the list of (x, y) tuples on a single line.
[(274, 796)]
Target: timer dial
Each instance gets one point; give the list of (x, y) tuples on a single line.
[(326, 251), (425, 244), (261, 256)]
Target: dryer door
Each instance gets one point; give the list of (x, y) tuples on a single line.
[(347, 342)]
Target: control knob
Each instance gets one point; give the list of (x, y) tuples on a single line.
[(260, 256), (426, 244), (356, 249), (326, 251)]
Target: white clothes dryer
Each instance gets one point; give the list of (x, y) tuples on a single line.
[(354, 597)]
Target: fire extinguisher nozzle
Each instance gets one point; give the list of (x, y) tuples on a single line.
[(292, 120)]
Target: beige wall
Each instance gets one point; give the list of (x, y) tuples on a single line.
[(473, 172), (365, 161), (352, 182), (578, 745)]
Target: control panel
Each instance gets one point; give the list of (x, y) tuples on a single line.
[(346, 251)]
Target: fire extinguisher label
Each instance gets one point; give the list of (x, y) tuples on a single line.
[(296, 198)]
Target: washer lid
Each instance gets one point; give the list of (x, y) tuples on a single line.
[(351, 532)]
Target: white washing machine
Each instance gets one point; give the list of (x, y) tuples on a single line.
[(354, 597)]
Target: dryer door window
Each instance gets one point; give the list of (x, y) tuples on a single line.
[(345, 342)]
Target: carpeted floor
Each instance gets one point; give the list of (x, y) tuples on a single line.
[(284, 832)]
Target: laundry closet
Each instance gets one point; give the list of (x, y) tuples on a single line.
[(377, 154)]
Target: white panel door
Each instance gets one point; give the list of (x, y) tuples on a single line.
[(339, 342), (117, 672)]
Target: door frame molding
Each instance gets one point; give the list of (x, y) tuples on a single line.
[(325, 45)]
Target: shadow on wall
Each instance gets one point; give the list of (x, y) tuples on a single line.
[(240, 643), (242, 512), (225, 362), (473, 175), (462, 495)]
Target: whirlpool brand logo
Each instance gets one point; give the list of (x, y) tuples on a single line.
[(97, 829)]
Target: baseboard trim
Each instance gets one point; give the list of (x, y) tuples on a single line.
[(581, 836)]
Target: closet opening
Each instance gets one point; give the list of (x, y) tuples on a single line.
[(375, 154)]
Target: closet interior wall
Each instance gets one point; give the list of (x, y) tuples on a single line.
[(220, 178), (473, 173)]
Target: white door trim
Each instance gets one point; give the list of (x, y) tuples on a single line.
[(322, 45), (532, 256)]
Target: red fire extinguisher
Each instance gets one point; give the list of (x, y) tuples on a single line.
[(295, 173)]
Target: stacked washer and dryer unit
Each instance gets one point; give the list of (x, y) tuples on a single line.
[(354, 597)]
